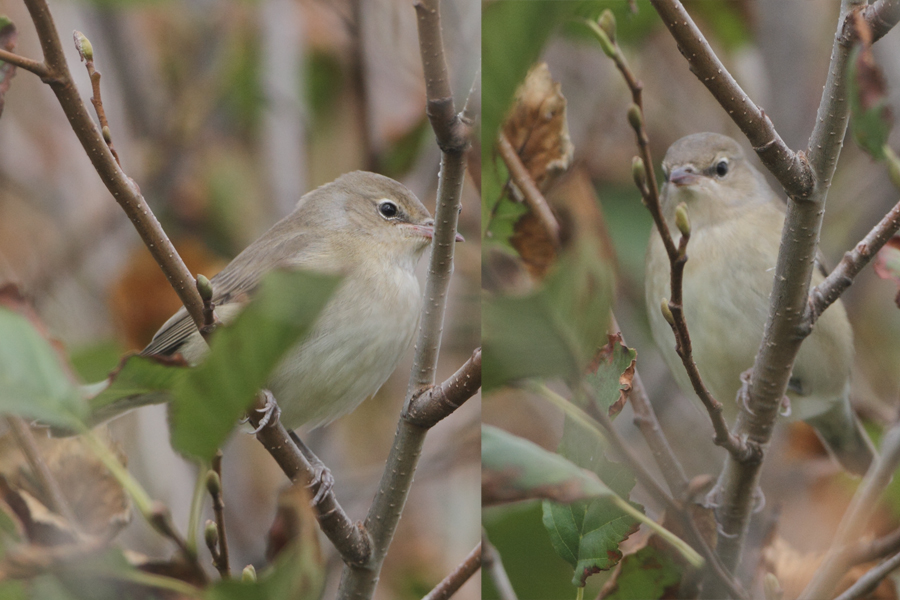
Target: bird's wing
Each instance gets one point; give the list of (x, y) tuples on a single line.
[(239, 278)]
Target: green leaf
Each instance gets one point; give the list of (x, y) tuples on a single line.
[(554, 331), (210, 398), (587, 534), (33, 383), (514, 468), (94, 362), (609, 375), (869, 107), (646, 575), (138, 381)]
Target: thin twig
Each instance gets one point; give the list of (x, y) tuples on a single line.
[(645, 179), (855, 518), (876, 549), (493, 566), (645, 420), (456, 578), (532, 195), (870, 580), (38, 68), (828, 291), (123, 189), (86, 52), (220, 559), (442, 400), (26, 442)]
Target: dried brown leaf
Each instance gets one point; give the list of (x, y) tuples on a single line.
[(794, 570), (537, 128), (98, 502)]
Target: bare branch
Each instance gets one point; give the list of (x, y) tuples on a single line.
[(85, 51), (826, 293), (38, 68), (532, 195), (868, 582), (645, 420), (789, 167), (449, 128), (876, 549), (457, 577), (787, 324), (645, 179), (440, 401), (123, 189), (384, 514)]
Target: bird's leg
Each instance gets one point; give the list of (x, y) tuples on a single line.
[(323, 480)]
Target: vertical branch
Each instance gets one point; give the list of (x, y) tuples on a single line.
[(451, 131), (787, 325)]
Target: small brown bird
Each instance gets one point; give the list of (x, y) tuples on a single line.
[(366, 227), (736, 222)]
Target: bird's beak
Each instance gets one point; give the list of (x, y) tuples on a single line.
[(683, 176), (427, 231)]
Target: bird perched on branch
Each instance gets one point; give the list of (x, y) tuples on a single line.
[(366, 227), (735, 233)]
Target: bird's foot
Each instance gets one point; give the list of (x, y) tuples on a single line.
[(743, 397), (270, 412), (322, 480), (785, 409)]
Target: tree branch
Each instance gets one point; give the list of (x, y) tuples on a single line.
[(787, 166), (880, 16), (38, 68), (645, 179), (384, 514), (787, 325), (457, 577), (807, 183), (123, 189), (826, 293), (350, 540), (868, 582), (427, 409)]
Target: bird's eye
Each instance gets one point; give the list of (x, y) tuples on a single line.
[(388, 209), (722, 168)]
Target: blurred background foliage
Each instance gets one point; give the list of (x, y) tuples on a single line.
[(225, 113), (778, 52)]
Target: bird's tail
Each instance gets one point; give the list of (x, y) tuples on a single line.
[(845, 439)]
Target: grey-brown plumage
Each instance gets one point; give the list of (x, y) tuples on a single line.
[(364, 226), (736, 222)]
